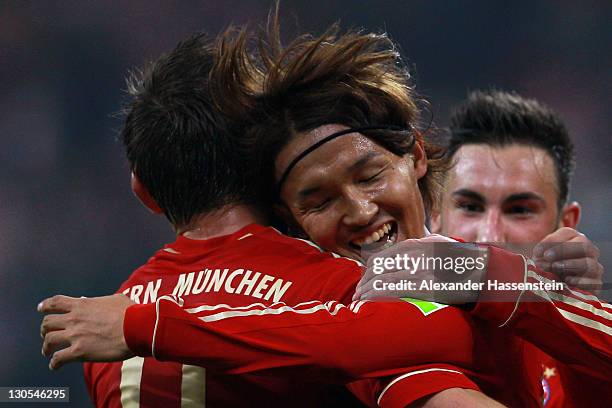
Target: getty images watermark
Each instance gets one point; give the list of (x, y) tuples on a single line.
[(466, 270)]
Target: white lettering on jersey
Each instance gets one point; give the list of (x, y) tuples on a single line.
[(150, 295)]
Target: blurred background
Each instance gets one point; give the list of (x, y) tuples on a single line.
[(68, 221)]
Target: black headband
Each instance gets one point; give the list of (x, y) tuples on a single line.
[(326, 139)]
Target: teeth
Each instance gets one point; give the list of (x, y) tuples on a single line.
[(375, 236)]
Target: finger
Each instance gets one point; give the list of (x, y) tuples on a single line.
[(62, 357), (563, 234), (55, 341), (56, 304), (544, 265), (580, 247), (51, 323), (358, 291), (583, 267), (591, 285), (382, 281)]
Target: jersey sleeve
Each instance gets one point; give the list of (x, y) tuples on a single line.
[(328, 341), (572, 326)]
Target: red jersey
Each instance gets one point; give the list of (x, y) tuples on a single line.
[(571, 328), (379, 339), (257, 267)]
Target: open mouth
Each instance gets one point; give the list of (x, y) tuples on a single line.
[(382, 238)]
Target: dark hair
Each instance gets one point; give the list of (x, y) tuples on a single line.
[(177, 143), (353, 79), (499, 118)]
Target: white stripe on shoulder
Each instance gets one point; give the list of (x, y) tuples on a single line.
[(586, 322), (206, 308), (269, 311), (203, 308), (573, 292), (568, 299), (401, 377), (358, 305)]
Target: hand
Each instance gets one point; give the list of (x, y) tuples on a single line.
[(410, 268), (571, 256), (84, 329)]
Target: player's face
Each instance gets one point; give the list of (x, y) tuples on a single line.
[(350, 194), (499, 194)]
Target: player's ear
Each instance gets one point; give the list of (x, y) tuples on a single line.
[(570, 215), (143, 195), (293, 228), (435, 222), (419, 156)]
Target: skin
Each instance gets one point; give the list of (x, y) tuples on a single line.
[(358, 186), (369, 186), (510, 195), (373, 191), (503, 194)]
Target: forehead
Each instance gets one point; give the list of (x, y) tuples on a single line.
[(328, 159), (512, 169)]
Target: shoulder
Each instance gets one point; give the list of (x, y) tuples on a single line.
[(272, 242)]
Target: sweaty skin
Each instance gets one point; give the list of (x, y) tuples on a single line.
[(349, 188)]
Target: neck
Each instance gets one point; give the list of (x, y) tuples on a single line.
[(223, 221)]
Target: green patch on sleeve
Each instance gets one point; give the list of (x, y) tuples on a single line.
[(425, 306)]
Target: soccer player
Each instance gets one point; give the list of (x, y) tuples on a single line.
[(187, 164), (230, 326), (510, 182)]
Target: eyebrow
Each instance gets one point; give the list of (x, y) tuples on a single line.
[(524, 196), (302, 194), (362, 161), (464, 192)]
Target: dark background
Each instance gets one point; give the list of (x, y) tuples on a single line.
[(68, 221)]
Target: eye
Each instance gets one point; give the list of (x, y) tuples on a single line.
[(372, 178), (469, 207), (316, 207), (520, 210)]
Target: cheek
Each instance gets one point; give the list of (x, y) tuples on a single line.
[(529, 231), (320, 229)]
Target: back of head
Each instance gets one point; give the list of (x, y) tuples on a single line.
[(499, 119), (178, 144), (352, 79)]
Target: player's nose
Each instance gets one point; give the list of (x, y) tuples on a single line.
[(359, 210), (491, 228)]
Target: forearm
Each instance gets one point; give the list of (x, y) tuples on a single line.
[(457, 398)]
